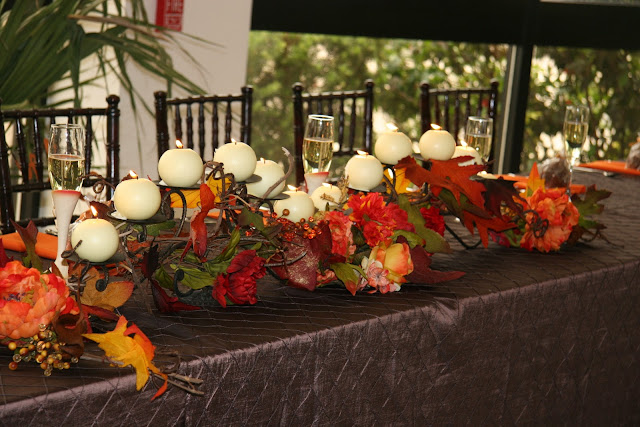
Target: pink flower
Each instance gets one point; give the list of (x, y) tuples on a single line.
[(552, 205), (341, 235), (377, 219), (28, 299), (387, 267)]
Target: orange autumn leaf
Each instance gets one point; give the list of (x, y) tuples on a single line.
[(116, 294), (136, 351), (534, 181), (446, 174)]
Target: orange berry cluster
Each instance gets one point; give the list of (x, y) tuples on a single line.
[(43, 348)]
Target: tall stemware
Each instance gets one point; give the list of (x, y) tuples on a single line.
[(66, 168), (317, 150), (478, 135), (575, 128)]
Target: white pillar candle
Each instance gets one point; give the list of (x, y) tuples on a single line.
[(296, 207), (363, 171), (270, 172), (326, 189), (237, 158), (99, 240), (392, 146), (180, 167), (462, 150), (137, 198), (437, 144)]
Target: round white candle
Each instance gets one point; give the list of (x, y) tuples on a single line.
[(180, 167), (270, 172), (462, 150), (137, 198), (437, 144), (330, 190), (363, 171), (298, 205), (99, 240), (393, 146), (237, 158)]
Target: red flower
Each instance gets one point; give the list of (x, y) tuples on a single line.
[(433, 219), (238, 284), (552, 205), (377, 219)]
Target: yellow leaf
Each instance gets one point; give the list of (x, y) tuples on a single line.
[(116, 294), (192, 197), (402, 183), (137, 351)]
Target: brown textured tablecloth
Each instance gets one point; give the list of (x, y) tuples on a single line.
[(522, 338)]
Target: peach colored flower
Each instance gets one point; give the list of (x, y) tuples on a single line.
[(341, 235), (554, 206), (386, 266), (28, 299)]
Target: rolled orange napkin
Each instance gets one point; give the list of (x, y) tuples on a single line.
[(46, 244), (611, 166)]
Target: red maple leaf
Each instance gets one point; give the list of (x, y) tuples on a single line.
[(198, 228), (309, 255)]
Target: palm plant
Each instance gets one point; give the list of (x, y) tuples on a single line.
[(44, 42)]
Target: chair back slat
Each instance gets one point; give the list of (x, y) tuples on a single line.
[(208, 106), (22, 166), (437, 107), (353, 119), (201, 120), (215, 126)]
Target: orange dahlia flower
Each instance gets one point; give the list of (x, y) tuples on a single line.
[(554, 206), (28, 299)]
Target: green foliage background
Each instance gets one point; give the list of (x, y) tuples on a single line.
[(606, 80)]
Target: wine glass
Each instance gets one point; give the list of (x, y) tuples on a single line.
[(317, 146), (478, 135), (66, 168), (576, 125)]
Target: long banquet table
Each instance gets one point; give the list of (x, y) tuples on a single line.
[(522, 338)]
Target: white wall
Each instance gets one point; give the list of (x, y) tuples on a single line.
[(222, 71)]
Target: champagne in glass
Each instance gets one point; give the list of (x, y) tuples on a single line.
[(478, 134), (317, 146), (66, 168), (576, 125)]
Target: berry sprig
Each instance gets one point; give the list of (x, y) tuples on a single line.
[(43, 348)]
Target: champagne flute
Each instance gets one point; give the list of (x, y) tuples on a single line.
[(478, 135), (317, 146), (66, 168), (576, 125)]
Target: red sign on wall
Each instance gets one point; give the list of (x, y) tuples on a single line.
[(169, 14)]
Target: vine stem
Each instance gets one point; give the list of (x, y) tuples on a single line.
[(172, 379)]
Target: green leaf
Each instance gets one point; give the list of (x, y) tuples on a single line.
[(155, 229), (248, 218), (433, 242), (348, 274), (216, 267), (195, 278), (230, 251), (163, 278), (412, 238)]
